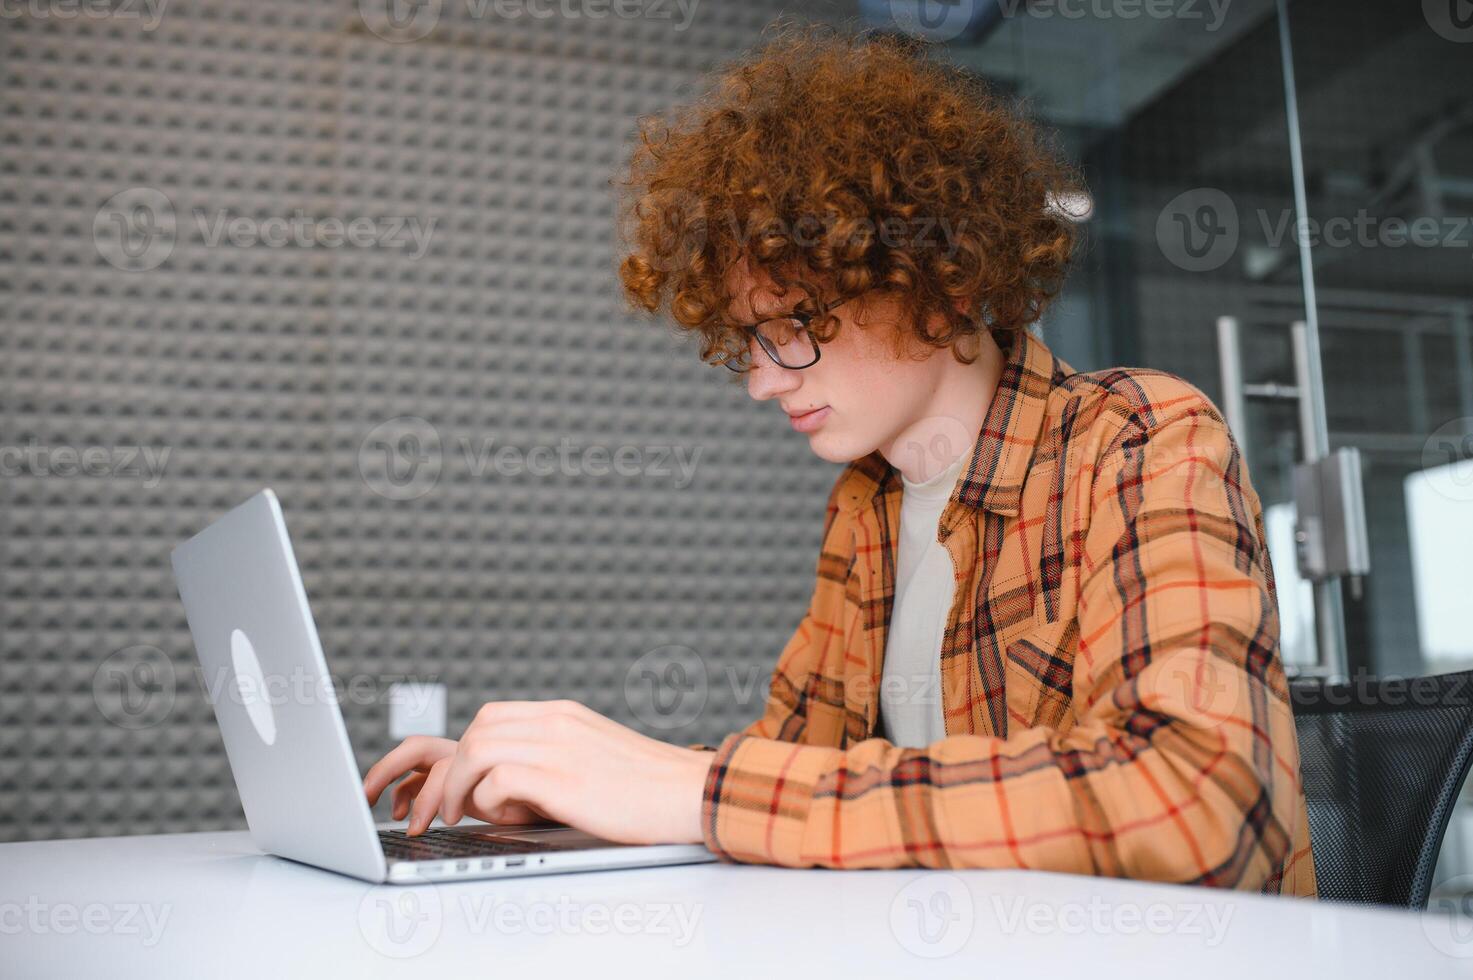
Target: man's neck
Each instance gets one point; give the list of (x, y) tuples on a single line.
[(950, 422)]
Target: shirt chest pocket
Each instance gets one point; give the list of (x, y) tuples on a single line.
[(1040, 664), (1006, 610), (1036, 652)]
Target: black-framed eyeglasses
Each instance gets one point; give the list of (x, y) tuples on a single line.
[(786, 339)]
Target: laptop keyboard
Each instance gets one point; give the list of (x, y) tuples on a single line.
[(439, 844)]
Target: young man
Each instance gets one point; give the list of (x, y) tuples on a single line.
[(1044, 631)]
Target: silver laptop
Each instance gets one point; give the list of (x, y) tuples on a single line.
[(288, 747)]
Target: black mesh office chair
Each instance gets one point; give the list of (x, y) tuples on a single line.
[(1383, 761)]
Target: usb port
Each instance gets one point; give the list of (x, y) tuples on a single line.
[(515, 862)]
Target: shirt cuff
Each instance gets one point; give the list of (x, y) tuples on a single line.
[(757, 797)]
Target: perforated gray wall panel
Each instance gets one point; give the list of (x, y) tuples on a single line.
[(192, 380)]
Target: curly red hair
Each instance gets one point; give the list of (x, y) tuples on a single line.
[(805, 158)]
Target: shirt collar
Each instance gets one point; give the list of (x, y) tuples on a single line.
[(993, 479)]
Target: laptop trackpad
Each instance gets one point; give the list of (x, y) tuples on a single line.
[(560, 836)]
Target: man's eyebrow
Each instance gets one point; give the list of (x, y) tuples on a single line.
[(780, 309)]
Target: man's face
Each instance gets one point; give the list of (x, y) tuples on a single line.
[(862, 396)]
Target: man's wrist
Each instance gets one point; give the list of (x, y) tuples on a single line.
[(701, 770)]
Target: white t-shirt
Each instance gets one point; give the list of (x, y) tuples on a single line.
[(910, 686)]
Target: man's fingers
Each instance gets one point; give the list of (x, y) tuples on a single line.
[(405, 792), (427, 802), (477, 757), (416, 753), (511, 785)]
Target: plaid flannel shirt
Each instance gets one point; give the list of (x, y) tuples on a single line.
[(1110, 680)]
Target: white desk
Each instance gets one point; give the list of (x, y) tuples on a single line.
[(210, 905)]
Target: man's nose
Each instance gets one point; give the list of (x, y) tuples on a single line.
[(768, 380)]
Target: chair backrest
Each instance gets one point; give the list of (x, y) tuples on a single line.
[(1383, 761)]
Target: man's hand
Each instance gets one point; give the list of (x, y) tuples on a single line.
[(417, 755), (523, 761)]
